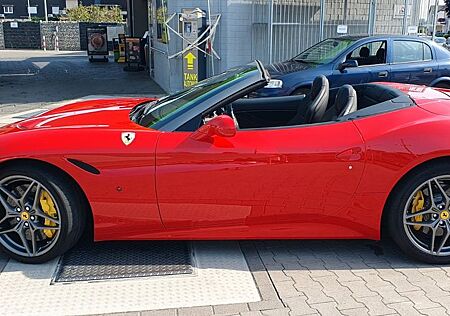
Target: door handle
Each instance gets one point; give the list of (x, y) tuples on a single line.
[(428, 70), (383, 74), (352, 154)]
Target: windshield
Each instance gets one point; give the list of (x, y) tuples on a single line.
[(324, 51), (150, 113)]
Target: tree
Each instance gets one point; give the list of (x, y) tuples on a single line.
[(447, 7), (94, 13)]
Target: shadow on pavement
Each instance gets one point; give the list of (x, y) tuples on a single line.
[(274, 255), (58, 77)]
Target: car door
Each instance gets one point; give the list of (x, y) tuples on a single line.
[(261, 183), (413, 62), (372, 65)]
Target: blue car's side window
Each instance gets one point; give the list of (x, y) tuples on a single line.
[(373, 53), (427, 52), (411, 51)]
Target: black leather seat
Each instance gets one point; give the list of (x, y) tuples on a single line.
[(345, 103), (316, 100), (381, 55), (364, 56)]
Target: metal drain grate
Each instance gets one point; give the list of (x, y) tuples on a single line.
[(120, 260)]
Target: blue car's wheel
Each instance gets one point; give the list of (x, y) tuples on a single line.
[(445, 85)]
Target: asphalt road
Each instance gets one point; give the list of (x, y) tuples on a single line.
[(32, 79)]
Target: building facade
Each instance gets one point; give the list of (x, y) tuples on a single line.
[(25, 9), (18, 9), (268, 30)]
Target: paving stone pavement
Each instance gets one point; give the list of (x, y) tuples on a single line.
[(335, 278)]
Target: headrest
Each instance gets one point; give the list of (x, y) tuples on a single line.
[(364, 52)]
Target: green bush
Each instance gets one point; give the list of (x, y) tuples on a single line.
[(94, 13)]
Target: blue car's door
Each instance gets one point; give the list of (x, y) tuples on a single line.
[(372, 65), (413, 62)]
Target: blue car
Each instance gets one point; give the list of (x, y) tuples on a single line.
[(361, 59)]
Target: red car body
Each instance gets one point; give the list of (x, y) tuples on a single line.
[(318, 181)]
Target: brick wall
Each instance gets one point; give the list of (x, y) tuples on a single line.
[(26, 35), (68, 35), (386, 22), (30, 35)]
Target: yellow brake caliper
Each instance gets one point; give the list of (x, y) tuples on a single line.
[(417, 206), (48, 207)]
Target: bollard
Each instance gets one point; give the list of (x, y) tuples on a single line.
[(44, 44), (56, 41)]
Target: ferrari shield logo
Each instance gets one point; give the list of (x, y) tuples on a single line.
[(128, 138)]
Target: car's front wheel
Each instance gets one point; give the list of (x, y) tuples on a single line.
[(419, 214), (41, 214)]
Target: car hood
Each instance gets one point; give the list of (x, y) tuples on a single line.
[(107, 113), (286, 67)]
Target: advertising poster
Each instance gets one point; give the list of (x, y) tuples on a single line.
[(97, 39), (161, 17), (133, 50), (121, 48)]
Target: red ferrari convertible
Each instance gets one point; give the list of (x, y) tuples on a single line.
[(210, 163)]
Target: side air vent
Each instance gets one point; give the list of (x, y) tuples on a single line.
[(82, 165)]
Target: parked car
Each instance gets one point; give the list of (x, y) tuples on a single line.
[(209, 163), (359, 59), (440, 40)]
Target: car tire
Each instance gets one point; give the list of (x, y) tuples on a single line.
[(408, 233), (443, 85), (61, 196)]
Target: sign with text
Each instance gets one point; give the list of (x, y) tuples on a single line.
[(189, 30), (121, 48), (413, 29), (399, 10), (162, 33), (97, 40), (342, 29), (133, 50), (190, 68)]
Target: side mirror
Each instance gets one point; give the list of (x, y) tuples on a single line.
[(221, 125), (351, 63)]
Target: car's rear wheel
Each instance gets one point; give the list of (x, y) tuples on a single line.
[(419, 214), (41, 214)]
